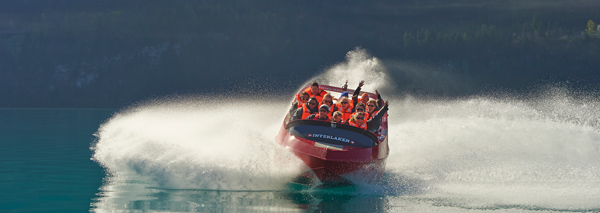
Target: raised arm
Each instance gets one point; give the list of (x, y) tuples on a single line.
[(374, 123), (379, 100), (357, 91), (355, 94)]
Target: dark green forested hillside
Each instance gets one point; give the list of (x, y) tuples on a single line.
[(109, 53)]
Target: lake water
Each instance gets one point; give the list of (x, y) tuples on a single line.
[(45, 161), (480, 154)]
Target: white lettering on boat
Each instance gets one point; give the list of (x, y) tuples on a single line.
[(331, 137)]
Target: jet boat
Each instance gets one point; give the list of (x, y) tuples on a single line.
[(336, 153)]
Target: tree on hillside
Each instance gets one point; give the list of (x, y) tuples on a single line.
[(591, 30)]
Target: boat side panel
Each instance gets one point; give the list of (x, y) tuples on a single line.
[(307, 147)]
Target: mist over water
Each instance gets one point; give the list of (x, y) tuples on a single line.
[(536, 153), (539, 151), (198, 144), (359, 66)]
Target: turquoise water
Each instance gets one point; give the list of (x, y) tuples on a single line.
[(45, 166), (45, 161), (477, 155)]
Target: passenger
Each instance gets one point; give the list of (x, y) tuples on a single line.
[(345, 107), (358, 120), (364, 98), (307, 109), (372, 108), (337, 118), (302, 98), (328, 100), (323, 114), (360, 107), (316, 91)]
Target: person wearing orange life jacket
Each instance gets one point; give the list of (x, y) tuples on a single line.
[(360, 107), (307, 109), (316, 91), (359, 119), (328, 100), (364, 98), (345, 107), (323, 114), (302, 98), (337, 118), (355, 100)]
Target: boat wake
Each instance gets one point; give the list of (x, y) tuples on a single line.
[(538, 152), (197, 144), (488, 152)]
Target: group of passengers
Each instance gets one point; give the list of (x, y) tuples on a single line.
[(314, 103)]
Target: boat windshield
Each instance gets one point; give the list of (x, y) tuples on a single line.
[(339, 134)]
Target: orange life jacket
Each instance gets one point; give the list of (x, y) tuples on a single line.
[(362, 126), (319, 96), (300, 101), (360, 100), (306, 112), (332, 108), (346, 113)]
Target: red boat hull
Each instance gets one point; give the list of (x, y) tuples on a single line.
[(336, 171), (332, 164)]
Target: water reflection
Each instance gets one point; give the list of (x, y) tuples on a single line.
[(119, 194), (329, 202)]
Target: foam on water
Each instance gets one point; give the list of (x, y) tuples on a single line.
[(198, 144), (540, 152), (499, 151)]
